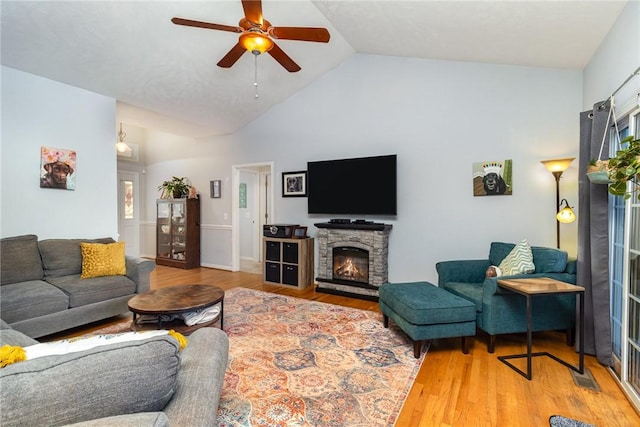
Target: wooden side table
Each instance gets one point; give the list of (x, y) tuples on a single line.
[(530, 288)]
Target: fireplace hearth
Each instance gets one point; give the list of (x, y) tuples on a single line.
[(352, 259)]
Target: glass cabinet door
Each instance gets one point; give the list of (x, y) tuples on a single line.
[(163, 231), (179, 225)]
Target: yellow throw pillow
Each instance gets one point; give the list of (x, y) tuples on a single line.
[(102, 259)]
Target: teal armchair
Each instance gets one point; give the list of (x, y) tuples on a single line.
[(500, 311)]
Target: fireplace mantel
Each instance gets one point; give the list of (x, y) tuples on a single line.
[(371, 226)]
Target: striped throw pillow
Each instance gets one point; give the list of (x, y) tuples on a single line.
[(519, 260)]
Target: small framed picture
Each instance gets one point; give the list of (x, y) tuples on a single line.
[(215, 189), (299, 232), (294, 184)]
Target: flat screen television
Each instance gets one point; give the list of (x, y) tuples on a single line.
[(358, 186)]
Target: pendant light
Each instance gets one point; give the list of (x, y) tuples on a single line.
[(122, 146)]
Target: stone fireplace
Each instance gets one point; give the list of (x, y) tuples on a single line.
[(352, 258)]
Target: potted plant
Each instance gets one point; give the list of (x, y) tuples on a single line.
[(176, 188), (598, 171), (624, 168)]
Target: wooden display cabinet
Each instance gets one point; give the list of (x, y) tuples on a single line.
[(178, 233), (288, 262)]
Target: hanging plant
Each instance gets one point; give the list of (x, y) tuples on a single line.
[(176, 188), (624, 168), (598, 171)]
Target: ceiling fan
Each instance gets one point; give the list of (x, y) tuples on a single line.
[(258, 35)]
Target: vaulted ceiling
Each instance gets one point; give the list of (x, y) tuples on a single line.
[(165, 76)]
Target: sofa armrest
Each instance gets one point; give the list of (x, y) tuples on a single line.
[(139, 270), (151, 419), (200, 380), (466, 271)]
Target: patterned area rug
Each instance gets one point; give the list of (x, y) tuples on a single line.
[(560, 421), (295, 362)]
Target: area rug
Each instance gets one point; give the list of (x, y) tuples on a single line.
[(296, 362), (560, 421)]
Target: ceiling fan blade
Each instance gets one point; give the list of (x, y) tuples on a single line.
[(208, 25), (308, 34), (232, 56), (284, 59), (253, 10)]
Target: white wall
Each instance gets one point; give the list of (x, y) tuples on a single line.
[(616, 58), (439, 117), (39, 112)]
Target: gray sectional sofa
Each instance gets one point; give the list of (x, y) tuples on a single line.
[(42, 293), (136, 383)]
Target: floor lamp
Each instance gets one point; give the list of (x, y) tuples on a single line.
[(565, 215)]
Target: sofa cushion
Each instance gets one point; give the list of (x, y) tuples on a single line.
[(62, 257), (546, 260), (26, 300), (518, 261), (470, 291), (15, 338), (549, 260), (20, 259), (87, 291), (102, 259), (499, 251), (102, 382)]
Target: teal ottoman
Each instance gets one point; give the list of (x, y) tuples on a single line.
[(425, 312)]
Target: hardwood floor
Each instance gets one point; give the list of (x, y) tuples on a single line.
[(476, 389)]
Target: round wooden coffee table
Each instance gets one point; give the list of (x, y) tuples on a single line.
[(174, 300)]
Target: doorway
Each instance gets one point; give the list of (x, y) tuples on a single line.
[(129, 212), (252, 207)]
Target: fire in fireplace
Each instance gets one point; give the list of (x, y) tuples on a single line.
[(351, 264)]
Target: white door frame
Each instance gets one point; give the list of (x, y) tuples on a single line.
[(235, 209)]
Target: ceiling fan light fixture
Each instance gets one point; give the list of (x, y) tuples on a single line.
[(256, 42)]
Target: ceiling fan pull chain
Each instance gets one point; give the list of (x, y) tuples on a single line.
[(255, 74)]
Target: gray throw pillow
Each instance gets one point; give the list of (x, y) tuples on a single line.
[(63, 257), (125, 378), (20, 259)]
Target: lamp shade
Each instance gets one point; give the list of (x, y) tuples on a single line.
[(565, 215), (255, 42), (557, 165)]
